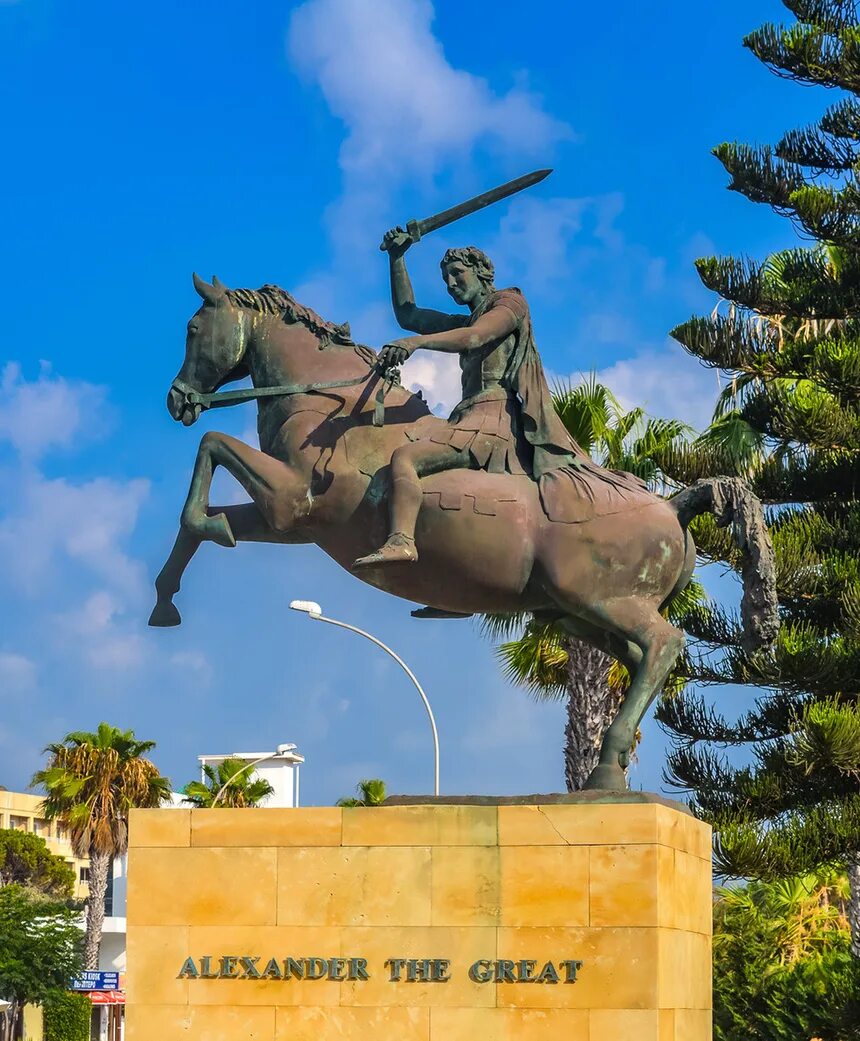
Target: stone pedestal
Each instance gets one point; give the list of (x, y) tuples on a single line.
[(291, 925)]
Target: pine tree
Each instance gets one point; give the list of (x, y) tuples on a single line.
[(789, 421)]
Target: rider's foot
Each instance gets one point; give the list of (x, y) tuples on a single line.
[(398, 549)]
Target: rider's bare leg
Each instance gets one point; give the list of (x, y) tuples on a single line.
[(279, 492), (409, 464)]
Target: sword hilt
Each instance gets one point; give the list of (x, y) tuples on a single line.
[(413, 230)]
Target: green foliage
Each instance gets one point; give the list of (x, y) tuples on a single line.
[(67, 1016), (782, 966), (40, 947), (92, 780), (615, 438), (370, 793), (26, 860), (232, 784), (788, 340)]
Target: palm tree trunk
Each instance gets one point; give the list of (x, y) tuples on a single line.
[(14, 1016), (99, 866), (591, 707), (8, 1019), (854, 901)]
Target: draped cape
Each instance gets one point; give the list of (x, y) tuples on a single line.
[(572, 487)]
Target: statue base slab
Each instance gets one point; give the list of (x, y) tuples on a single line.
[(529, 919)]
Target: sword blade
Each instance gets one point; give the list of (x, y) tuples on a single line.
[(439, 220)]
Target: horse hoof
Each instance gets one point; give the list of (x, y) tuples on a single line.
[(164, 615), (606, 777), (218, 530)]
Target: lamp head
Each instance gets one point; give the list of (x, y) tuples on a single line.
[(307, 606)]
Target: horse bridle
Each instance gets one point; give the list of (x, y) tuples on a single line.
[(220, 399)]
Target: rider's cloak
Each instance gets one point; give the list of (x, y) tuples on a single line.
[(557, 460)]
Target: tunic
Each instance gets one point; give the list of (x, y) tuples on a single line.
[(506, 419)]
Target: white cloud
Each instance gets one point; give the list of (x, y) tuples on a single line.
[(64, 543), (563, 244), (667, 383), (17, 673), (437, 376), (55, 520), (49, 412), (607, 327), (535, 236), (513, 725), (408, 112), (194, 662), (405, 107), (101, 632)]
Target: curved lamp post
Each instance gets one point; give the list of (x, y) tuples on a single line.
[(280, 750), (313, 610)]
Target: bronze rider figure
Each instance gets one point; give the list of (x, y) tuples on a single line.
[(505, 421)]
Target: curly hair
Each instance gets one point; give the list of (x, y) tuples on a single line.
[(474, 258)]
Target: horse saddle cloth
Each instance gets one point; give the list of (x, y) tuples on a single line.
[(569, 495), (475, 490)]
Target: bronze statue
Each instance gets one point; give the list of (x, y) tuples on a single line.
[(508, 514)]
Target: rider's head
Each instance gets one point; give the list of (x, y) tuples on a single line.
[(468, 273)]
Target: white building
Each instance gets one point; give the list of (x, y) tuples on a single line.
[(280, 768)]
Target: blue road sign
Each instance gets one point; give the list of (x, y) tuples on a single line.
[(96, 981)]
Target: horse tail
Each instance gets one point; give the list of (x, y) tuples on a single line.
[(732, 501)]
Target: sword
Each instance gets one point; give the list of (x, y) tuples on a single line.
[(417, 229)]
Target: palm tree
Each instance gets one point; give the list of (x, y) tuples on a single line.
[(545, 659), (92, 780), (370, 793), (231, 785), (796, 917)]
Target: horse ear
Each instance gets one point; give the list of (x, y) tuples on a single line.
[(219, 285), (209, 293)]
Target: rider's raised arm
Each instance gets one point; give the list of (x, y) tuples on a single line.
[(408, 314)]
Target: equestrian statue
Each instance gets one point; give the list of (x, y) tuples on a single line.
[(494, 510)]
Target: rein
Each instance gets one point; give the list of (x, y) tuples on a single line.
[(223, 398)]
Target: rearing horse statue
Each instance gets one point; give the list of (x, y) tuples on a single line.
[(603, 562)]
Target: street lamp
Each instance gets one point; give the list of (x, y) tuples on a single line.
[(313, 610)]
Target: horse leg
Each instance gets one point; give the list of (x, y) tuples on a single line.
[(627, 653), (247, 524), (280, 494), (165, 614), (280, 498), (635, 621), (599, 707)]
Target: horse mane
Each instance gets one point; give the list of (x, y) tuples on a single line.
[(271, 299)]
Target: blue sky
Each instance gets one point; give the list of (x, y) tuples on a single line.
[(275, 142)]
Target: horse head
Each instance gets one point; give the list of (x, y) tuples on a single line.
[(223, 344), (215, 345)]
